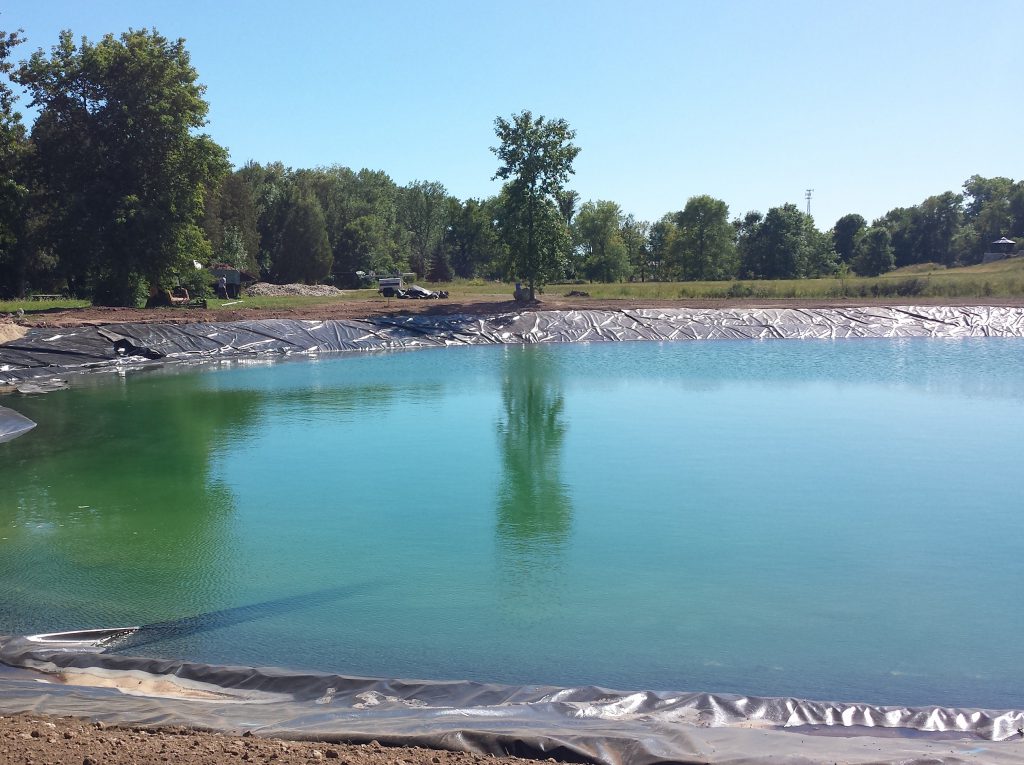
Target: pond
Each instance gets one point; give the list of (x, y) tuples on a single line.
[(834, 520)]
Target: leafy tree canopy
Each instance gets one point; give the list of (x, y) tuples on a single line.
[(536, 156), (873, 252), (120, 160), (844, 235), (704, 245), (597, 231)]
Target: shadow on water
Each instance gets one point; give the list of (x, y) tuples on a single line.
[(534, 509), (175, 629)]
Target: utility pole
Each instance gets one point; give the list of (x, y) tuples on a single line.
[(807, 196)]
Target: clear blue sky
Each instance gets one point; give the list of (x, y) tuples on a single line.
[(873, 104)]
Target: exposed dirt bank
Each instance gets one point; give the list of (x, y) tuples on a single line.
[(360, 309), (30, 738)]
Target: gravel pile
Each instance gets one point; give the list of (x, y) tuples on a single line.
[(262, 289), (10, 331)]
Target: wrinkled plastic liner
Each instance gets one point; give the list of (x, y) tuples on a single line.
[(586, 723), (13, 424), (48, 353)]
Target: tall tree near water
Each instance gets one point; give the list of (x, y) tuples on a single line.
[(844, 235), (269, 188), (231, 223), (634, 238), (567, 200), (598, 231), (536, 157), (424, 209), (784, 245), (938, 221), (472, 239), (660, 241), (899, 222), (994, 208), (13, 193), (704, 245), (303, 250), (873, 252), (119, 158)]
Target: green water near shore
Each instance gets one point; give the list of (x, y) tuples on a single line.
[(824, 519)]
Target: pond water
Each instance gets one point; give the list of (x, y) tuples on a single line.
[(833, 520)]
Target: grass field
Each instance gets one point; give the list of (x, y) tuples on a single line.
[(10, 306), (1003, 278), (1000, 279)]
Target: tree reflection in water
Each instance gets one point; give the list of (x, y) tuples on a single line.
[(534, 509), (116, 511)]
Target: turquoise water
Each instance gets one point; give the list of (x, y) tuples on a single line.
[(835, 520)]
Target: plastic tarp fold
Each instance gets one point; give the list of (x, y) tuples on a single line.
[(13, 424), (48, 353), (586, 723)]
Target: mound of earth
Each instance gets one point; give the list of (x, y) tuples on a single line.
[(10, 331), (29, 738)]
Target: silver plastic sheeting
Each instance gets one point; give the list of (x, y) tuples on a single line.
[(13, 424), (587, 723), (47, 353)]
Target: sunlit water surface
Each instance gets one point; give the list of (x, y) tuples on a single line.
[(836, 520)]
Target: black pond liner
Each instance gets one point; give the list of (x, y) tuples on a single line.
[(34, 361), (573, 724)]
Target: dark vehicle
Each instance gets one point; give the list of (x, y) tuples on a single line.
[(416, 292)]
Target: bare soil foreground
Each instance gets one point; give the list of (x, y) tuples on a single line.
[(361, 309), (27, 738)]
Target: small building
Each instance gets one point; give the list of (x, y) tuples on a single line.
[(1001, 249)]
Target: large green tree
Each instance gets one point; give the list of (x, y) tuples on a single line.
[(899, 222), (231, 223), (784, 245), (844, 235), (13, 193), (361, 212), (269, 186), (597, 230), (873, 252), (424, 210), (120, 159), (303, 248), (705, 245), (994, 208), (635, 239), (660, 242), (937, 223), (535, 156), (472, 241)]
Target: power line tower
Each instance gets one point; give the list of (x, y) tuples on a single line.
[(807, 196)]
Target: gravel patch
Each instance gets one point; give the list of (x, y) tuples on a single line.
[(263, 289)]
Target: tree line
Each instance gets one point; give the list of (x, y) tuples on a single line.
[(115, 188)]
